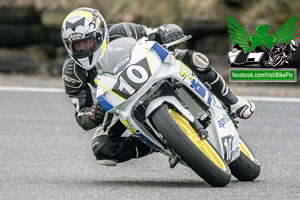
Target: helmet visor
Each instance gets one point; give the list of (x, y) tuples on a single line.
[(85, 47)]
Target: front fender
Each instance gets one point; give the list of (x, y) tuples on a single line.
[(154, 104)]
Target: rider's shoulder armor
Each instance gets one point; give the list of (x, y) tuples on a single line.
[(126, 29), (73, 76)]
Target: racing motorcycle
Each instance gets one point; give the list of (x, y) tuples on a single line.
[(163, 103)]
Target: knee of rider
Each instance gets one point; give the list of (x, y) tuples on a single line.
[(201, 62), (98, 143), (193, 59)]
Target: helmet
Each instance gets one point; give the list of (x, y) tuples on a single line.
[(85, 35)]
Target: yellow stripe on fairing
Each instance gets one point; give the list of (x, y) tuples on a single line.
[(143, 41), (103, 47), (108, 89)]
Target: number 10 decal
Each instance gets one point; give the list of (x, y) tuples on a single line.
[(132, 79), (137, 74)]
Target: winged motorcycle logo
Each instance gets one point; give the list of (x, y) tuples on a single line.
[(269, 50)]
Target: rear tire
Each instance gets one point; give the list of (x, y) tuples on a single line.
[(198, 154), (246, 167)]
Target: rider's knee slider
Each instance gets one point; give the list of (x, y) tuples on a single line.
[(200, 62), (193, 59)]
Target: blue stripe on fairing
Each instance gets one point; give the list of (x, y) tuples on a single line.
[(146, 140), (160, 51), (105, 104), (201, 89)]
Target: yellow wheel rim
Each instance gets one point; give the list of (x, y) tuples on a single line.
[(246, 151), (203, 145)]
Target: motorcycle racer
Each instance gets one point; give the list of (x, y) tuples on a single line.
[(85, 35)]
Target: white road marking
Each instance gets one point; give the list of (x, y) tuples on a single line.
[(30, 89), (59, 90), (274, 99)]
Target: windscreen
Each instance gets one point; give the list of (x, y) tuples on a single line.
[(117, 55)]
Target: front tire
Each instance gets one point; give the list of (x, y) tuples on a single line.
[(246, 167), (198, 154)]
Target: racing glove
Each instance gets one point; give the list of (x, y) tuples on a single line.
[(90, 117), (97, 113), (169, 33)]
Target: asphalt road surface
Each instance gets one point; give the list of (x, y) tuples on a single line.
[(44, 154)]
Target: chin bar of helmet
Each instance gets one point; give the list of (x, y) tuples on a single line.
[(166, 46)]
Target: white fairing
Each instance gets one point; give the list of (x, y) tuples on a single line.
[(149, 64)]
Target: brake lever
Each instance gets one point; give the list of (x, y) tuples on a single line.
[(186, 37)]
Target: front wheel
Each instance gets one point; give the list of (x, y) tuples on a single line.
[(198, 154), (246, 167)]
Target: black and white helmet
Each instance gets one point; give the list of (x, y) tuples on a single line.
[(85, 35)]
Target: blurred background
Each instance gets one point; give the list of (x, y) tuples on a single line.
[(30, 41)]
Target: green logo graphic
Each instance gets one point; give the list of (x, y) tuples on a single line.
[(262, 39)]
